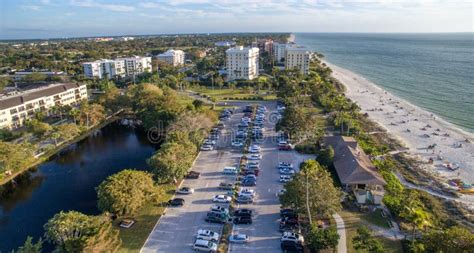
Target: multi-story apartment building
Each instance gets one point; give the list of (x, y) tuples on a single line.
[(136, 65), (264, 45), (279, 52), (172, 57), (298, 57), (117, 68), (17, 109), (242, 63)]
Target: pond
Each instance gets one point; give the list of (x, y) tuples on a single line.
[(67, 182)]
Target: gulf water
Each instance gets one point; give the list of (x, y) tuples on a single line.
[(432, 71)]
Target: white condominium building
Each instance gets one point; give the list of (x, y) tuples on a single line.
[(279, 52), (172, 57), (242, 63), (16, 109), (117, 68), (298, 57)]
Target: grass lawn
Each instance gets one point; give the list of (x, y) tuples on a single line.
[(222, 94), (146, 218), (354, 219)]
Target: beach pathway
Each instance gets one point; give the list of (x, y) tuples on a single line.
[(341, 230)]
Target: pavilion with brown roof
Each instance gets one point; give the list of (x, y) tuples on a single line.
[(355, 169)]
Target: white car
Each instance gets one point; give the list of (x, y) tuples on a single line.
[(185, 190), (247, 192), (254, 149), (207, 148), (285, 178), (290, 236), (209, 142), (205, 245), (221, 199), (254, 157), (219, 209), (209, 235), (237, 144), (238, 238)]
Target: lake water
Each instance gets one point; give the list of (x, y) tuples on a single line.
[(432, 71), (68, 181)]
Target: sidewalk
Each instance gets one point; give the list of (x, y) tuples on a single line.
[(341, 230)]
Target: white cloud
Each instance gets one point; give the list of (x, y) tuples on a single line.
[(30, 7), (109, 7)]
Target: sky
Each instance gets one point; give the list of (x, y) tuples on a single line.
[(23, 19)]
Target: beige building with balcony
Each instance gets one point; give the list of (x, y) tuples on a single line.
[(15, 110), (242, 63), (298, 58)]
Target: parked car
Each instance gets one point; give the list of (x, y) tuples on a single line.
[(291, 236), (226, 186), (208, 235), (287, 171), (285, 147), (289, 246), (230, 170), (250, 177), (221, 198), (185, 190), (285, 178), (246, 192), (219, 209), (243, 220), (215, 219), (243, 212), (126, 223), (254, 157), (238, 238), (244, 199), (204, 245), (206, 147), (249, 182), (176, 202), (237, 144), (254, 149), (192, 175), (285, 165)]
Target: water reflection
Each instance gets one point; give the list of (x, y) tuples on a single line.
[(67, 182)]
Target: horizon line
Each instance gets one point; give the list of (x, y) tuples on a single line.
[(216, 33)]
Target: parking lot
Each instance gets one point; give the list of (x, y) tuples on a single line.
[(175, 232)]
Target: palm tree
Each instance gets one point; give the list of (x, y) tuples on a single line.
[(417, 217), (74, 113)]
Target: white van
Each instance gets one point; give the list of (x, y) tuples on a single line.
[(204, 245), (230, 170)]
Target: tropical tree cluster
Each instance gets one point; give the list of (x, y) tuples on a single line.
[(125, 192), (76, 232), (364, 241), (312, 192)]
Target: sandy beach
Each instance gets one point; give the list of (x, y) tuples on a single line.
[(426, 136)]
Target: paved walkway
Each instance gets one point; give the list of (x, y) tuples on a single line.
[(341, 230)]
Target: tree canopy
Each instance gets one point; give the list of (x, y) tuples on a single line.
[(125, 192), (323, 196)]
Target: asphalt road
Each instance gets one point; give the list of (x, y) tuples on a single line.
[(176, 229), (263, 232)]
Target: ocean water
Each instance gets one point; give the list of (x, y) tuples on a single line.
[(432, 71)]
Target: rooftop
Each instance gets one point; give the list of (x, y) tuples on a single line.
[(352, 165), (25, 96)]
